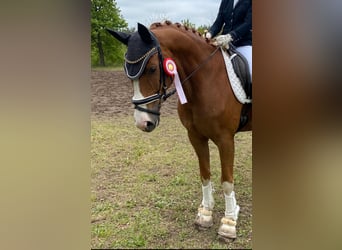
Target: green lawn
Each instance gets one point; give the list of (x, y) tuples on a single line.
[(145, 187)]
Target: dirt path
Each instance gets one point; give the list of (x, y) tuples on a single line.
[(111, 93)]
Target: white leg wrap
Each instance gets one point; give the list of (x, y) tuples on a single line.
[(228, 222), (232, 210), (208, 199), (204, 217)]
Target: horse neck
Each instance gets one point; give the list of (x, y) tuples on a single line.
[(188, 50)]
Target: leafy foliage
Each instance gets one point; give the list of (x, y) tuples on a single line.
[(201, 29), (187, 23), (106, 51)]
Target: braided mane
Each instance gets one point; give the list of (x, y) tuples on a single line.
[(181, 27)]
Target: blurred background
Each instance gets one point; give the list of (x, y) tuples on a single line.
[(46, 59)]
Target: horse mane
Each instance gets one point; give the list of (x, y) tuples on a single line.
[(183, 28)]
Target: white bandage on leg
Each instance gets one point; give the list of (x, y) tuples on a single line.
[(232, 209), (204, 216), (208, 199)]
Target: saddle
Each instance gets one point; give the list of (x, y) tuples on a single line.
[(241, 69), (240, 66)]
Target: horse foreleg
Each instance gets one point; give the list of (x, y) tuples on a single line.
[(228, 222), (204, 217)]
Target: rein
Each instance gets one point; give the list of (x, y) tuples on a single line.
[(200, 65), (164, 95)]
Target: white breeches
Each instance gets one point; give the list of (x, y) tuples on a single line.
[(246, 51)]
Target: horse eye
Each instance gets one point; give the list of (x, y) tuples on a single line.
[(152, 69)]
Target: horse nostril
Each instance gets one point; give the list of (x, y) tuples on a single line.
[(150, 126)]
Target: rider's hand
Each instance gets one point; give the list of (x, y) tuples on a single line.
[(208, 35), (222, 40)]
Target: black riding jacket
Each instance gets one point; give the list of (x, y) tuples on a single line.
[(237, 22)]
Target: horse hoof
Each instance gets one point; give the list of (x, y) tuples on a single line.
[(201, 228), (225, 240), (227, 229), (204, 219)]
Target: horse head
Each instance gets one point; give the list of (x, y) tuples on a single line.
[(144, 66)]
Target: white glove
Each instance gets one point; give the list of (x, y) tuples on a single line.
[(208, 35), (222, 40)]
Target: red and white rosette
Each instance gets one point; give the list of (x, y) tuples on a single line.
[(171, 69), (170, 66)]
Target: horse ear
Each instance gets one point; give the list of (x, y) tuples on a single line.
[(144, 33), (121, 36)]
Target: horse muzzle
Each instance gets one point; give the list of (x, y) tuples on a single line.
[(146, 126), (145, 122)]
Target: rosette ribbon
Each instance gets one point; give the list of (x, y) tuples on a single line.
[(171, 69)]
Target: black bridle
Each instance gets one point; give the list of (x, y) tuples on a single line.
[(162, 94)]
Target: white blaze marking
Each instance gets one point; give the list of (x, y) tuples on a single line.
[(137, 92), (138, 115)]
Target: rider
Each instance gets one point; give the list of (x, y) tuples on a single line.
[(235, 16)]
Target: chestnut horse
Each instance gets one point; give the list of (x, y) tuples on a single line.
[(211, 111)]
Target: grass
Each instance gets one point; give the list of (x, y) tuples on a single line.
[(112, 68), (146, 187)]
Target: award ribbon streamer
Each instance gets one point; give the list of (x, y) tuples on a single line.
[(171, 69)]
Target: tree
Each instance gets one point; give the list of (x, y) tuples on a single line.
[(104, 49), (188, 23), (203, 28)]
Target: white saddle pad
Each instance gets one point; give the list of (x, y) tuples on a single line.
[(235, 82)]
